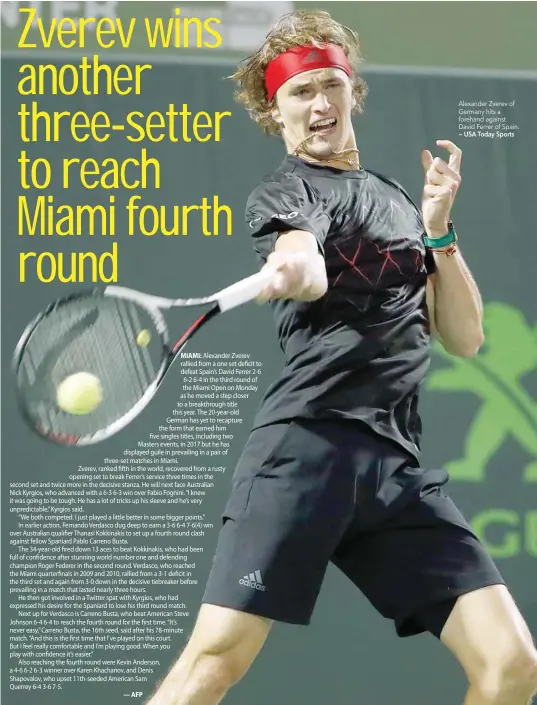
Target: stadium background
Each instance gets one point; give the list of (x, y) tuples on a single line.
[(480, 416)]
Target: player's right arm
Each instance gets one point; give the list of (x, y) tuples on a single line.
[(287, 219), (301, 268)]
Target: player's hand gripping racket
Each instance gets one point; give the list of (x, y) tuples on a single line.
[(90, 362)]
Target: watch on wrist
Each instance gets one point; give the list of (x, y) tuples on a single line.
[(449, 238)]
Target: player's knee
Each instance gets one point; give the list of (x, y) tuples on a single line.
[(521, 668), (220, 666), (224, 645), (515, 675), (218, 672), (525, 668)]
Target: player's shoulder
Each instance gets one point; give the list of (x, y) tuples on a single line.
[(393, 183), (284, 179), (387, 180)]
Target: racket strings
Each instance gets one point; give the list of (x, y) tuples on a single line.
[(98, 336)]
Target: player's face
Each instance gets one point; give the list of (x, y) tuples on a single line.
[(316, 105)]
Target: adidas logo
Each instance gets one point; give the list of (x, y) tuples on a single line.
[(314, 55), (253, 580)]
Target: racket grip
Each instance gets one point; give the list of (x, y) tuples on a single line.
[(245, 290)]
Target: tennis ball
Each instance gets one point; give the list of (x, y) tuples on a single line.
[(80, 393), (144, 336)]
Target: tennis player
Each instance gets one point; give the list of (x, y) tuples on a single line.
[(331, 471)]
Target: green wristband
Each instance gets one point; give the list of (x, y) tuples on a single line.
[(437, 242)]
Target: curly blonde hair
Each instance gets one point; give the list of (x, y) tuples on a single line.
[(303, 27)]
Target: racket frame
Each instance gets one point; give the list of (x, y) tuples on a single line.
[(224, 300), (167, 357)]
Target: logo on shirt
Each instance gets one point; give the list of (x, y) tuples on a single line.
[(280, 216), (284, 216)]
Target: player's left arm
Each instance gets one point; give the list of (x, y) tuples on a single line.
[(453, 299)]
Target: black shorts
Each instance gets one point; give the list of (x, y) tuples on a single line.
[(311, 492)]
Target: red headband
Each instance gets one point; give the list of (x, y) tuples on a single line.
[(300, 59)]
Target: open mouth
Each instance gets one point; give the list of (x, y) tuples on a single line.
[(323, 127)]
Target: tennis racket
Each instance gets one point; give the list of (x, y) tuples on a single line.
[(117, 336)]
